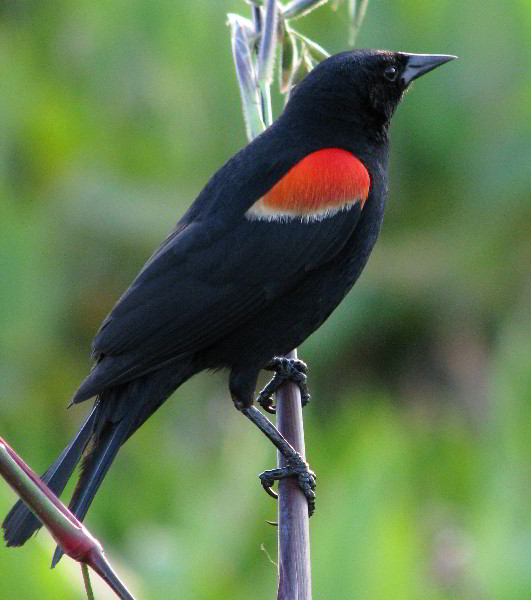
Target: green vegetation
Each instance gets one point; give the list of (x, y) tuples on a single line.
[(112, 118)]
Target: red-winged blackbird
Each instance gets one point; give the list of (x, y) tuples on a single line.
[(267, 251)]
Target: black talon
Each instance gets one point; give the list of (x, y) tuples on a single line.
[(296, 467), (285, 369), (267, 481)]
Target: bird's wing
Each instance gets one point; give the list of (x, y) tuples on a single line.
[(209, 277)]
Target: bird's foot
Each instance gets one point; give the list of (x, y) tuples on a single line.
[(286, 369), (296, 467)]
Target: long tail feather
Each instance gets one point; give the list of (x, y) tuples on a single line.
[(95, 466), (20, 523)]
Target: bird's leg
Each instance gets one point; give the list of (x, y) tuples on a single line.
[(285, 369), (242, 383), (296, 466)]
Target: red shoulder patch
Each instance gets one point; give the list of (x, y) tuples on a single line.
[(321, 184)]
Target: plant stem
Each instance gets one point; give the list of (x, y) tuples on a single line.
[(294, 566), (265, 89), (86, 581)]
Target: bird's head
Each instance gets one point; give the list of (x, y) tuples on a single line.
[(360, 86)]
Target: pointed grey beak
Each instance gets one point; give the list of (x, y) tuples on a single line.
[(418, 64)]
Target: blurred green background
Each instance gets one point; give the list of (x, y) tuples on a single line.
[(112, 118)]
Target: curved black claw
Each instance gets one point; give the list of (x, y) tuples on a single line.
[(296, 467), (285, 369)]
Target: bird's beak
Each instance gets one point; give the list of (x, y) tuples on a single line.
[(418, 64)]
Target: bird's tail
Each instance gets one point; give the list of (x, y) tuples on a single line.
[(94, 468), (20, 523)]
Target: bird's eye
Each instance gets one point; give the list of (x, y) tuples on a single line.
[(391, 73)]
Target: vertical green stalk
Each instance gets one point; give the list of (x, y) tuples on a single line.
[(266, 58), (86, 581)]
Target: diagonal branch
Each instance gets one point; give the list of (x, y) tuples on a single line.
[(67, 531)]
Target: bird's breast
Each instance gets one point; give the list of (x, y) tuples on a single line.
[(320, 185)]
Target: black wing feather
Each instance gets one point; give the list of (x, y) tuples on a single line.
[(203, 283)]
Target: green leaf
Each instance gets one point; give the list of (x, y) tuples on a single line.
[(299, 8), (288, 60), (356, 14), (316, 52), (249, 91), (268, 44), (303, 67)]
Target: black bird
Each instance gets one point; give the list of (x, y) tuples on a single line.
[(259, 261)]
